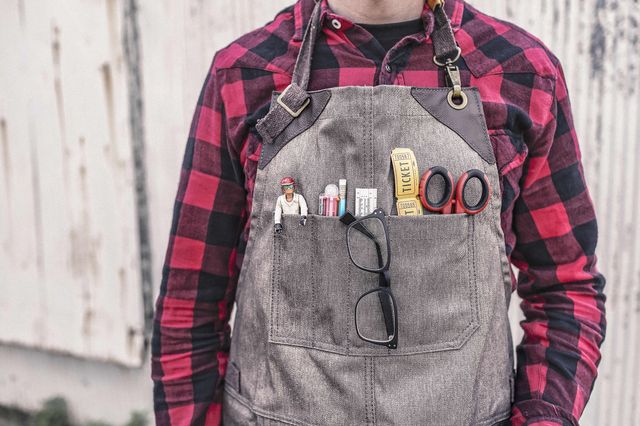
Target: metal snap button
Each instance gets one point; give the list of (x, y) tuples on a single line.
[(387, 68), (336, 24)]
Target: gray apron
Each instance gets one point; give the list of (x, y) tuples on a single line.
[(295, 357)]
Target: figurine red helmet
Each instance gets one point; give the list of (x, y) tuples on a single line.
[(287, 181)]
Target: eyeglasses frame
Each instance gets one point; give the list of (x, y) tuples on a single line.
[(382, 271)]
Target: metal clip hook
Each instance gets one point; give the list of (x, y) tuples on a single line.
[(454, 75)]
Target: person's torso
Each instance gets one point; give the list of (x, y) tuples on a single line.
[(297, 356)]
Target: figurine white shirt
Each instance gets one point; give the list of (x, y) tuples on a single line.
[(297, 205)]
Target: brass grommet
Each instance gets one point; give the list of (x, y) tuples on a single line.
[(454, 105)]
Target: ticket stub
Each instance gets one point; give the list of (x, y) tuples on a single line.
[(407, 181), (366, 201), (410, 207)]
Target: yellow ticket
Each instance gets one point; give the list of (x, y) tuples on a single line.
[(410, 207), (407, 178)]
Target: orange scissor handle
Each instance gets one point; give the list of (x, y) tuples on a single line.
[(461, 205), (444, 204), (453, 201)]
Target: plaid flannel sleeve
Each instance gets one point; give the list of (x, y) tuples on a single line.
[(559, 283), (191, 333)]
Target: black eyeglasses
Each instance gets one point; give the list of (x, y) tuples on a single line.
[(368, 245)]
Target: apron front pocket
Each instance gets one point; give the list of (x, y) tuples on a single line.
[(315, 285), (309, 285), (433, 281)]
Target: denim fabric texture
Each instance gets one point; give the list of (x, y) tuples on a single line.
[(295, 355)]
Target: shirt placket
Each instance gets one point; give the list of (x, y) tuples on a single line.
[(389, 63)]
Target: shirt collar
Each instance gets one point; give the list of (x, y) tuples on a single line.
[(303, 8)]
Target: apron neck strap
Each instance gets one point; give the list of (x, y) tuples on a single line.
[(302, 69), (444, 44), (294, 100)]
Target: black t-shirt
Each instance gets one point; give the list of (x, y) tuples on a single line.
[(390, 34)]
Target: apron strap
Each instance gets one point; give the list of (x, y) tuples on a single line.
[(302, 69), (444, 42), (294, 98)]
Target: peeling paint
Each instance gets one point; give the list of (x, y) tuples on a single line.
[(597, 46), (633, 44), (112, 20), (84, 245), (112, 146), (57, 82), (509, 10), (87, 321), (21, 14), (6, 160), (122, 280), (131, 340), (83, 260), (37, 207), (597, 49), (57, 88)]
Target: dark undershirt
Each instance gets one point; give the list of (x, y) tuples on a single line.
[(390, 34)]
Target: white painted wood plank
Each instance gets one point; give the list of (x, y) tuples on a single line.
[(70, 254)]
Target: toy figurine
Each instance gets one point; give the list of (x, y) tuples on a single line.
[(289, 202)]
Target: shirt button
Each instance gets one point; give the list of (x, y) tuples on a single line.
[(387, 68), (336, 24)]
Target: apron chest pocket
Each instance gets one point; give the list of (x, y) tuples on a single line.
[(315, 285)]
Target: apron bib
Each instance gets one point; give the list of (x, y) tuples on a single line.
[(295, 357)]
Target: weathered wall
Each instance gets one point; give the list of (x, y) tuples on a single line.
[(70, 253), (95, 103)]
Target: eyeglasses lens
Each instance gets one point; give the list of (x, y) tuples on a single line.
[(375, 319), (368, 244)]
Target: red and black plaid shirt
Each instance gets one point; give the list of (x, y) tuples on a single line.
[(547, 213)]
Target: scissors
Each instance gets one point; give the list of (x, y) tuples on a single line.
[(454, 201)]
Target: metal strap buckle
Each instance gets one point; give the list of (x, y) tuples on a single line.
[(286, 107), (442, 64)]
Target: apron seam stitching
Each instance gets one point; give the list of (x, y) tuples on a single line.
[(314, 238), (373, 389), (366, 392), (276, 280), (348, 346), (371, 153)]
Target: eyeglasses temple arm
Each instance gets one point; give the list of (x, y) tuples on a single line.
[(348, 218)]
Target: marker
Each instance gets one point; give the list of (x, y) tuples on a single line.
[(331, 206), (342, 207), (321, 199)]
